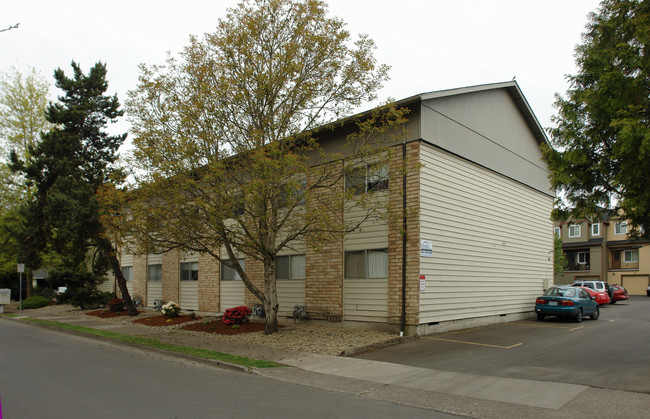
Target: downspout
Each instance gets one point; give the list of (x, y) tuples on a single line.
[(403, 322)]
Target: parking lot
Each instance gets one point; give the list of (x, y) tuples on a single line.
[(612, 352)]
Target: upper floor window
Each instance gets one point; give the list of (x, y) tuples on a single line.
[(558, 232), (127, 271), (366, 264), (574, 230), (154, 272), (368, 178), (190, 271), (228, 273), (620, 227), (595, 229), (290, 267)]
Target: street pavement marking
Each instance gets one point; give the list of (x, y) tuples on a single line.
[(576, 328), (473, 343), (538, 325)]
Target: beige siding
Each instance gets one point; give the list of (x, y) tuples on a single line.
[(373, 233), (189, 295), (365, 300), (486, 127), (154, 292), (126, 260), (492, 240), (108, 285), (232, 294), (291, 292), (154, 259)]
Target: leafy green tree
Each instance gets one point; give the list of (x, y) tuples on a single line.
[(224, 142), (23, 99), (72, 161), (602, 135), (559, 259)]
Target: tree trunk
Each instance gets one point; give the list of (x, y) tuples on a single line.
[(121, 283), (271, 304)]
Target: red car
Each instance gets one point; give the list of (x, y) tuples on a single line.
[(600, 297), (619, 294)]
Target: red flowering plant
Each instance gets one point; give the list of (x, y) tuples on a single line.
[(116, 304), (236, 315)]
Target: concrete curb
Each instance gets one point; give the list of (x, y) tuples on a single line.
[(379, 345)]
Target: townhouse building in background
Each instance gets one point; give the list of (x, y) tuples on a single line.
[(478, 245), (604, 251)]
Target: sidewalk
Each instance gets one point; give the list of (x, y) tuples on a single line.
[(450, 392)]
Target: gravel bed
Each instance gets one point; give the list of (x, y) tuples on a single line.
[(292, 339)]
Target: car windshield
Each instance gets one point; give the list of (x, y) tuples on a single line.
[(560, 292)]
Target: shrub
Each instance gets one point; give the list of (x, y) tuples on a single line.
[(37, 301), (171, 309), (116, 304), (236, 315)]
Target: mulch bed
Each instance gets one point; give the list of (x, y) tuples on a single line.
[(108, 314), (165, 321), (217, 326)]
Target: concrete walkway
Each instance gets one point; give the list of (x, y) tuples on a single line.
[(446, 391)]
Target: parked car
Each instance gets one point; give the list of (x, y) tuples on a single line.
[(566, 301), (600, 297), (601, 286), (620, 294)]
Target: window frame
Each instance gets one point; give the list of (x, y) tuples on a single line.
[(292, 276), (129, 269), (573, 227), (375, 177), (192, 275), (366, 253), (630, 252), (158, 266), (595, 226), (223, 268), (558, 232), (618, 228)]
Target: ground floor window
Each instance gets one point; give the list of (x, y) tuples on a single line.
[(290, 267), (154, 272), (366, 263), (577, 260), (228, 273), (190, 271), (127, 272)]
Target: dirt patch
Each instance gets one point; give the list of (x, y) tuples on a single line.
[(166, 321), (108, 314), (217, 326)]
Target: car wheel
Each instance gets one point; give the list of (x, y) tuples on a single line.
[(578, 317), (596, 314), (613, 301), (540, 316)]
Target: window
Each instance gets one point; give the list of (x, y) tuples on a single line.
[(290, 267), (620, 228), (577, 260), (574, 230), (190, 271), (369, 178), (154, 272), (558, 232), (631, 256), (366, 264), (595, 229), (127, 271), (228, 273), (294, 194)]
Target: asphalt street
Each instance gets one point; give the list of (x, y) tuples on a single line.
[(49, 374)]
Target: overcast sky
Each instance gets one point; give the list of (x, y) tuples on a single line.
[(430, 44)]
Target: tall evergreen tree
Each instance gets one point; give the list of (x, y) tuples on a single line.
[(72, 161), (602, 134)]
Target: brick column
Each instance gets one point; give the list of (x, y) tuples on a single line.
[(413, 237), (171, 275), (209, 284), (255, 271)]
